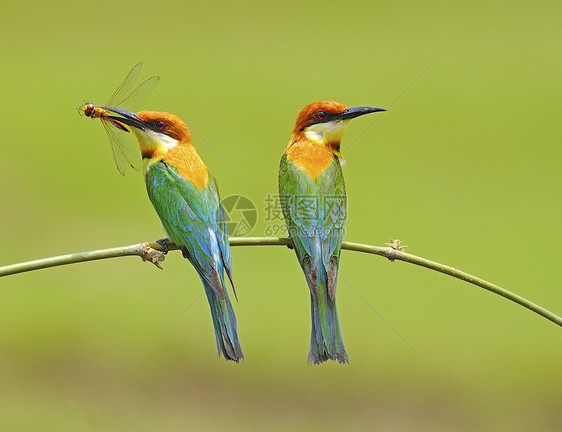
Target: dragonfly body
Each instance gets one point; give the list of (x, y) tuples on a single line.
[(126, 95)]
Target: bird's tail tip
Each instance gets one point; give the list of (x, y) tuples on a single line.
[(230, 350), (314, 358)]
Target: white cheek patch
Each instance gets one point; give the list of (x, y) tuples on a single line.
[(151, 139), (326, 132), (163, 139), (313, 135)]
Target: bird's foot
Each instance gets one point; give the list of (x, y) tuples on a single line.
[(165, 243)]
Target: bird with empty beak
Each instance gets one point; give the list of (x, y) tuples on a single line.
[(313, 199)]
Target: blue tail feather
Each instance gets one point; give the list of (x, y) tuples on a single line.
[(224, 323), (326, 341)]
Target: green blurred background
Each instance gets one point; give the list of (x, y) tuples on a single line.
[(464, 168)]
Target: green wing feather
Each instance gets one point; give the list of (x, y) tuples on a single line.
[(193, 218)]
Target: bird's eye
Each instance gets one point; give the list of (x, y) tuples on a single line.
[(320, 115), (160, 124)]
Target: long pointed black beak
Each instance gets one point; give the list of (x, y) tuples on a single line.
[(127, 117), (351, 113)]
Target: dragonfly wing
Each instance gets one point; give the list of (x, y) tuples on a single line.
[(125, 151), (134, 100), (126, 86)]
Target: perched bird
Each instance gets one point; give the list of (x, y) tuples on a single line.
[(313, 199), (185, 196)]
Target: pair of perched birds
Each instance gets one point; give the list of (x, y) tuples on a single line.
[(313, 199)]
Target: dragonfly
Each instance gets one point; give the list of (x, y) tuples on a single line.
[(125, 152)]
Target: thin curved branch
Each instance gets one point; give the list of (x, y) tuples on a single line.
[(153, 253), (99, 254)]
